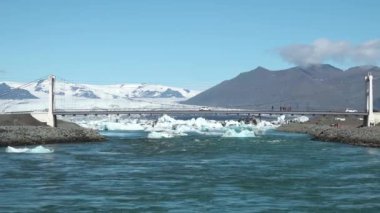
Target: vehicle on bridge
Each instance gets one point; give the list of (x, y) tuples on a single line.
[(205, 109), (351, 110)]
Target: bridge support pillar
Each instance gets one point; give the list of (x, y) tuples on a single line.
[(51, 118), (369, 119)]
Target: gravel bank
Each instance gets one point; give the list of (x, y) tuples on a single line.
[(16, 130), (363, 136)]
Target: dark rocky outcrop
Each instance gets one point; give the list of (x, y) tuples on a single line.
[(86, 94), (19, 120), (363, 136), (33, 135), (6, 92), (80, 91), (169, 93), (17, 130)]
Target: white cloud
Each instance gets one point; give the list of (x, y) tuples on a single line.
[(322, 50)]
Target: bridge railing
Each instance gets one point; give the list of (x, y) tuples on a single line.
[(197, 111)]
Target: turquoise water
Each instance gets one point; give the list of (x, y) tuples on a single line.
[(271, 173)]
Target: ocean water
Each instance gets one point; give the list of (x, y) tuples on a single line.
[(130, 173)]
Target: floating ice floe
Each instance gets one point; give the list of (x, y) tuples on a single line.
[(168, 127), (158, 135), (301, 119), (122, 126), (129, 125), (36, 150)]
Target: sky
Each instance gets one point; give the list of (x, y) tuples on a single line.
[(192, 44)]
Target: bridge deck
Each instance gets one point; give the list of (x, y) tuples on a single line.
[(199, 112)]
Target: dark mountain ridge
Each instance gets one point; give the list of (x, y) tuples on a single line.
[(7, 92), (312, 87)]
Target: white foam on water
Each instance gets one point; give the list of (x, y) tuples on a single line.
[(230, 133), (109, 153), (35, 150), (274, 141), (158, 135), (373, 151)]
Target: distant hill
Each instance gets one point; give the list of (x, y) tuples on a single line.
[(313, 87), (7, 92)]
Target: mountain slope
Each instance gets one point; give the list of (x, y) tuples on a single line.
[(6, 92), (314, 87)]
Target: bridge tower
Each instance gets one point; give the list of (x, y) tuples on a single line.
[(51, 118), (370, 118)]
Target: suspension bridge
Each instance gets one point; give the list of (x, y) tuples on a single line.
[(50, 117)]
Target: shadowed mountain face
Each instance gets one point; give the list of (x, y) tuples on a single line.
[(314, 87), (168, 93), (6, 92)]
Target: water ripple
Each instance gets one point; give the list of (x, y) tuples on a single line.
[(193, 174)]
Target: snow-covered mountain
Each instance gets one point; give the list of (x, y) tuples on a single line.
[(90, 96), (41, 88)]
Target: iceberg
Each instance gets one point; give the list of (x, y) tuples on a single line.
[(158, 135), (122, 126), (36, 150), (169, 127), (301, 119), (10, 149), (280, 120)]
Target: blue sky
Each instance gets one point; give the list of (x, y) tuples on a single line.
[(193, 44)]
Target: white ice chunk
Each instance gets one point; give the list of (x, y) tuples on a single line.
[(166, 126), (340, 119), (122, 126), (10, 149), (36, 150), (280, 120), (301, 119)]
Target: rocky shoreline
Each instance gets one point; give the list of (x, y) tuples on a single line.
[(359, 136), (20, 130)]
